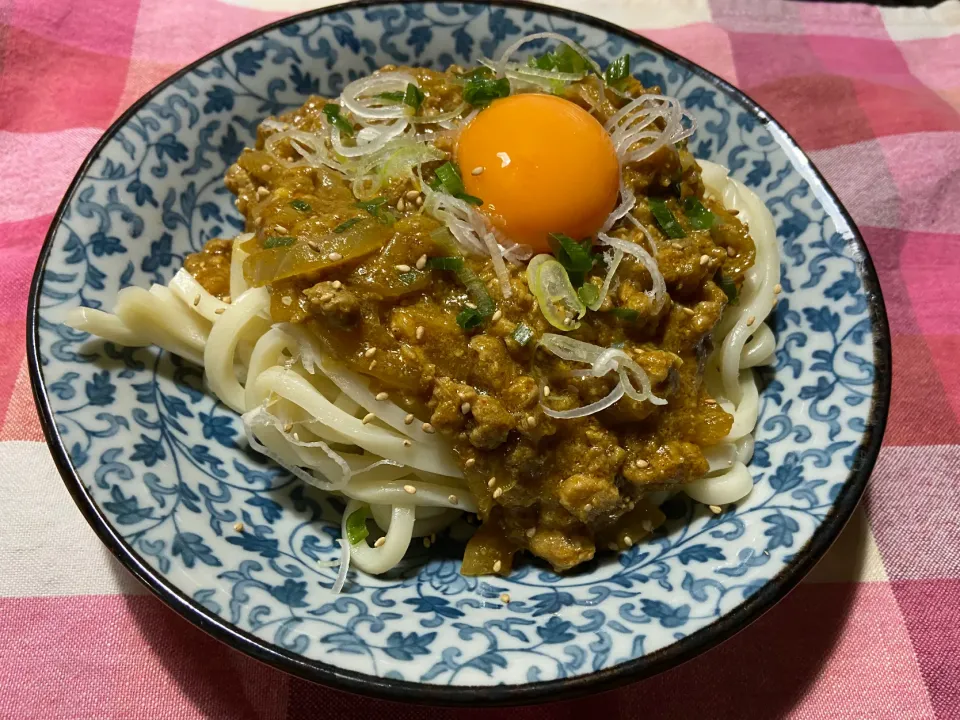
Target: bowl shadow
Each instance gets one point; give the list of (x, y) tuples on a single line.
[(764, 671)]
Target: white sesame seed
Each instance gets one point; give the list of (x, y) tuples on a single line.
[(380, 541), (470, 305), (497, 493), (546, 391), (477, 170), (373, 364), (419, 200), (716, 509), (710, 401), (453, 499), (420, 331), (262, 191), (336, 284), (504, 597), (408, 419), (370, 352), (219, 311), (313, 246), (470, 462), (496, 316), (647, 526), (731, 252), (704, 259), (641, 463), (465, 408), (421, 262), (628, 541), (531, 532), (196, 300), (281, 229), (238, 526), (401, 205), (326, 296), (407, 443), (676, 246), (288, 427), (777, 289), (412, 194), (497, 565), (264, 168), (409, 489), (403, 268), (382, 395), (491, 482), (751, 320), (427, 428), (531, 421), (588, 508), (568, 321), (334, 256), (287, 300), (369, 418)]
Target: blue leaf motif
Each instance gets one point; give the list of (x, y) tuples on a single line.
[(272, 511), (248, 61), (126, 509), (668, 616), (230, 146), (781, 530), (148, 451), (63, 388), (556, 631), (700, 553), (168, 146), (789, 475), (434, 605), (405, 647), (219, 98), (291, 593), (266, 547), (219, 428), (419, 38), (191, 548), (103, 244), (552, 602)]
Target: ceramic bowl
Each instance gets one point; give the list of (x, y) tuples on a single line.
[(161, 472)]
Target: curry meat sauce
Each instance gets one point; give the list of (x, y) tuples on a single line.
[(557, 488)]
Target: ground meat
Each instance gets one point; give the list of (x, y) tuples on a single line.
[(650, 466), (586, 496), (563, 549), (448, 402), (211, 267), (493, 369), (334, 301), (491, 423)]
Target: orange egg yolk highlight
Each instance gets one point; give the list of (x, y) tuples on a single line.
[(541, 164)]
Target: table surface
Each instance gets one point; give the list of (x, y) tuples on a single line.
[(872, 94)]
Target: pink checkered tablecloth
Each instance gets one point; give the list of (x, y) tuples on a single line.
[(873, 95)]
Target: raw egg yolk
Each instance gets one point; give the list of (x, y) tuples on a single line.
[(541, 164)]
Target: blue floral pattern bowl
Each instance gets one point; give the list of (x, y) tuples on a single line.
[(161, 471)]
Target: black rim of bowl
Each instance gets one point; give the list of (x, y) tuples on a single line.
[(546, 691)]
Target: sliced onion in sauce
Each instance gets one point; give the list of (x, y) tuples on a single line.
[(586, 410), (658, 291)]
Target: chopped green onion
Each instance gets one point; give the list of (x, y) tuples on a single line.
[(301, 205), (625, 314), (413, 97), (275, 242), (588, 293), (481, 90), (376, 208), (395, 96), (332, 111), (618, 70), (449, 180), (565, 59), (571, 254), (357, 525), (478, 72), (522, 334), (469, 318), (666, 219), (445, 263), (469, 279), (558, 299), (408, 278), (729, 288), (449, 176), (700, 218), (346, 225)]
